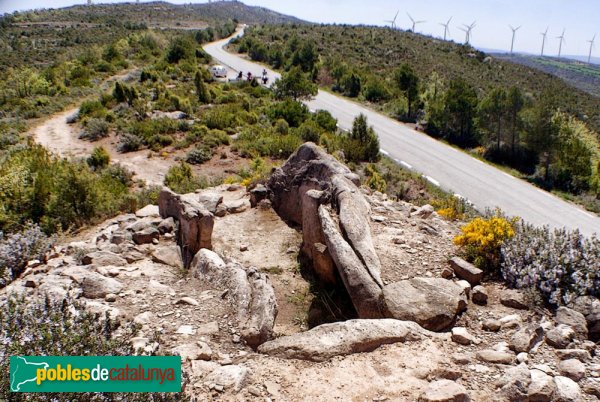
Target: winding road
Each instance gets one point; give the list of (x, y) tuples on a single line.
[(467, 177)]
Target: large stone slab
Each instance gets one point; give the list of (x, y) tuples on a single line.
[(433, 303), (195, 223), (343, 338)]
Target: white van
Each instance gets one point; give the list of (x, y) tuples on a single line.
[(218, 71)]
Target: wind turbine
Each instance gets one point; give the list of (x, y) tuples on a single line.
[(543, 40), (591, 42), (514, 31), (414, 23), (467, 30), (446, 27), (562, 39), (393, 22)]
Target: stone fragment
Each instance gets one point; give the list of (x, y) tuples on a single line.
[(467, 271), (444, 391)]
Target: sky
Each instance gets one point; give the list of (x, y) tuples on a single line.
[(579, 18)]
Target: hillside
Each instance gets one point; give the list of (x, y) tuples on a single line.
[(579, 74), (380, 51)]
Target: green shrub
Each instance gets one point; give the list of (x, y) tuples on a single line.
[(295, 113), (310, 131), (282, 127), (325, 120), (129, 143), (181, 179), (198, 156), (99, 158), (94, 129), (92, 108)]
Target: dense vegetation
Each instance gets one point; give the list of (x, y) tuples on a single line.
[(509, 114), (63, 328)]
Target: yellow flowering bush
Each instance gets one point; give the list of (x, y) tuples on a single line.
[(482, 240)]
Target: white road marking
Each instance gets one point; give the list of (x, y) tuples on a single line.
[(383, 151), (432, 180), (406, 165)]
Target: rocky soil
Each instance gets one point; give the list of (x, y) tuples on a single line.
[(238, 314)]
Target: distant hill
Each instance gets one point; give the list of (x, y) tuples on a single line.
[(162, 14), (581, 75)]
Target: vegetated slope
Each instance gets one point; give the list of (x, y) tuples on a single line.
[(382, 50), (163, 13), (583, 76)]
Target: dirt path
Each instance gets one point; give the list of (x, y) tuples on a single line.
[(62, 139)]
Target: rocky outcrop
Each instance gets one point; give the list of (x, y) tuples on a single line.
[(433, 303), (337, 241), (195, 223), (343, 338), (249, 291)]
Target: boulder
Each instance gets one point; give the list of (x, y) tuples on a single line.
[(433, 303), (424, 212), (491, 325), (574, 319), (195, 223), (514, 299), (495, 356), (148, 211), (313, 239), (542, 387), (233, 376), (210, 200), (589, 306), (346, 233), (343, 338), (479, 295), (168, 255), (236, 206), (96, 286), (572, 368), (166, 226), (257, 194), (146, 236), (560, 337), (579, 354), (364, 291), (526, 338), (467, 271), (461, 336), (444, 391), (514, 383), (103, 259), (193, 351), (249, 291), (567, 390)]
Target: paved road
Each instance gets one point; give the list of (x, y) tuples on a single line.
[(453, 170)]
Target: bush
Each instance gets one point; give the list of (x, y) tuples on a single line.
[(92, 108), (560, 264), (326, 120), (19, 248), (198, 156), (129, 143), (63, 328), (295, 113), (181, 179), (94, 130), (282, 127), (375, 181), (310, 131), (482, 239), (99, 158)]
